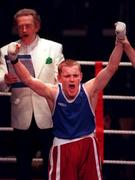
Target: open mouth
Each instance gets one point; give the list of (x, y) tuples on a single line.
[(71, 86), (25, 35)]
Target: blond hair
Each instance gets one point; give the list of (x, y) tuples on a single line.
[(68, 63)]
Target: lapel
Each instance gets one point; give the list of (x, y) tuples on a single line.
[(42, 54)]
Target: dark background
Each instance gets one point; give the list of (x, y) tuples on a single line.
[(94, 18), (86, 30)]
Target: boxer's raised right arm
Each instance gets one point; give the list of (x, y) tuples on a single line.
[(36, 85)]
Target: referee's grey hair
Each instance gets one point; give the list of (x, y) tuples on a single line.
[(26, 12)]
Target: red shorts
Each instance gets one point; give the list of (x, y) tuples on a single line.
[(78, 160)]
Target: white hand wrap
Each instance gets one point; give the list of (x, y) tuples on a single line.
[(12, 51), (120, 30)]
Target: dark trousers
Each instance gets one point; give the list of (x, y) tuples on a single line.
[(27, 144)]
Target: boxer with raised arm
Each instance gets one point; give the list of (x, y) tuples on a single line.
[(72, 104)]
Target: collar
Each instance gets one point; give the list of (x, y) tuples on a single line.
[(28, 48)]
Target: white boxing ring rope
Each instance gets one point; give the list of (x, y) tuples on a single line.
[(106, 97)]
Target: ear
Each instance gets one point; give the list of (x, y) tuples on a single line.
[(37, 25), (58, 78), (81, 76)]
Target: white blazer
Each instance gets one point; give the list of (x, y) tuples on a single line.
[(25, 102)]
